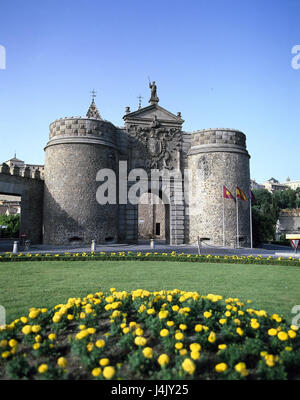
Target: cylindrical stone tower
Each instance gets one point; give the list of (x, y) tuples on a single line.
[(217, 158), (78, 148)]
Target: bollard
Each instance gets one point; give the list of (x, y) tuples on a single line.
[(15, 248), (93, 245), (152, 245)]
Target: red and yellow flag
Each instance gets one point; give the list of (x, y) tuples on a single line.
[(227, 194), (240, 194)]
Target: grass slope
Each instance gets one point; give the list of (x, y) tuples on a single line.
[(45, 284)]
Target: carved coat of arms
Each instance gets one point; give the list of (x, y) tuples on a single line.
[(160, 144)]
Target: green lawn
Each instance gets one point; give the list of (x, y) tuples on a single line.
[(45, 284)]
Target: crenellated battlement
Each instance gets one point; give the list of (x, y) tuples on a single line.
[(24, 172), (219, 136), (77, 126)]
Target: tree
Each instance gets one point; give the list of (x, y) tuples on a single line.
[(266, 210), (13, 225), (263, 226)]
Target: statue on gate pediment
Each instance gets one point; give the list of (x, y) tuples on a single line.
[(153, 99)]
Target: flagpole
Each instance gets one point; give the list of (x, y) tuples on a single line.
[(237, 222), (223, 218), (251, 237)]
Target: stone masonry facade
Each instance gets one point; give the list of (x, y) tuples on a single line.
[(152, 139)]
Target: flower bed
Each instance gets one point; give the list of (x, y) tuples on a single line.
[(150, 335), (148, 256)]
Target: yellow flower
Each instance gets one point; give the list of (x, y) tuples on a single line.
[(150, 311), (294, 327), (163, 359), (179, 336), (52, 336), (36, 328), (142, 308), (56, 318), (12, 343), (96, 372), (195, 347), (148, 352), (188, 366), (195, 355), (239, 331), (292, 334), (26, 329), (82, 334), (70, 317), (24, 320), (241, 368), (43, 368), (207, 314), (212, 337), (139, 332), (183, 327), (222, 321), (36, 346), (91, 331), (126, 330), (254, 324), (62, 362), (100, 343), (270, 360), (164, 332), (198, 328), (103, 362), (170, 323), (108, 372), (283, 336), (183, 352), (178, 345), (116, 314), (163, 314), (33, 314), (90, 346), (5, 354), (3, 343), (272, 332), (222, 367), (140, 341), (175, 308), (227, 314), (288, 348), (222, 346)]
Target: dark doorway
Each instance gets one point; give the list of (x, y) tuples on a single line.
[(157, 229)]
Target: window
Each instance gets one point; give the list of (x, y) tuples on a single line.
[(157, 229)]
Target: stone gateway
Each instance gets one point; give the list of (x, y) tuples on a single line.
[(152, 138)]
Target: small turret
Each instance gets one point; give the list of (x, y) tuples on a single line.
[(93, 111)]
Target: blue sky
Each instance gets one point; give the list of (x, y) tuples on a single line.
[(222, 63)]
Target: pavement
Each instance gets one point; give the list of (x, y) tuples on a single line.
[(160, 247)]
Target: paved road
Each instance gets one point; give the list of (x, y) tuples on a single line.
[(266, 251)]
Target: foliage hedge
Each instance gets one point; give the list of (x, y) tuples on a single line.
[(148, 256)]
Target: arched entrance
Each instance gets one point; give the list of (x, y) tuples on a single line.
[(153, 218)]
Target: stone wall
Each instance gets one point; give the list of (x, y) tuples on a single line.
[(288, 222), (217, 158), (30, 187), (74, 155)]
